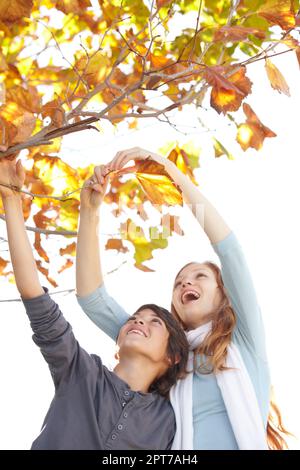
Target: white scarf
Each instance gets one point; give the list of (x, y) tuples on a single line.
[(238, 395)]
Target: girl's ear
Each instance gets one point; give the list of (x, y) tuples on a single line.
[(177, 359), (117, 355)]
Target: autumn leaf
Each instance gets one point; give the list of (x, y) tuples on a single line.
[(68, 264), (221, 150), (55, 111), (45, 272), (237, 33), (3, 63), (13, 10), (37, 245), (252, 133), (72, 6), (68, 250), (7, 133), (276, 78), (184, 160), (279, 12), (162, 3), (3, 265), (94, 69), (116, 244), (19, 123), (228, 92), (143, 247), (155, 182), (27, 99)]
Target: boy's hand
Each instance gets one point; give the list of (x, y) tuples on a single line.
[(12, 174), (94, 188)]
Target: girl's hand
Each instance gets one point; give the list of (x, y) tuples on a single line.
[(12, 173), (136, 153), (94, 188)]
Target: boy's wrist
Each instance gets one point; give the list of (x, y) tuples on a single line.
[(11, 198)]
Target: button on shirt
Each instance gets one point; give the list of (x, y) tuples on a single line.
[(92, 407)]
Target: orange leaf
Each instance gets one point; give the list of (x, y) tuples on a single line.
[(55, 111), (280, 12), (67, 265), (7, 134), (116, 244), (13, 10), (45, 271), (22, 120), (155, 182), (68, 250), (3, 265), (276, 78), (3, 64), (162, 3), (228, 93), (37, 245), (181, 160), (28, 99), (72, 6), (252, 133), (159, 61), (237, 33)]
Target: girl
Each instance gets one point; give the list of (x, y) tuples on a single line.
[(94, 408), (225, 403)]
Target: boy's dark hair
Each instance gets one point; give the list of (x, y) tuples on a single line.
[(178, 348)]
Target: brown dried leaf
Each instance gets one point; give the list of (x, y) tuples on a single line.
[(276, 78)]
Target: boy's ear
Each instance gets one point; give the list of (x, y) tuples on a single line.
[(117, 356)]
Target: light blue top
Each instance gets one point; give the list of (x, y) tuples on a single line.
[(212, 429)]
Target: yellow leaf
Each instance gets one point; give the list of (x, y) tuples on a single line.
[(94, 69), (276, 78), (13, 10), (221, 150), (143, 247)]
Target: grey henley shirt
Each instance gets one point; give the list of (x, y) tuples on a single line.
[(92, 407)]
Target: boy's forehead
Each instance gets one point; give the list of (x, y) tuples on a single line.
[(145, 312)]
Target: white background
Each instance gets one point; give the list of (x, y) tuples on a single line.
[(258, 194)]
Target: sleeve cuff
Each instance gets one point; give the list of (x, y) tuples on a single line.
[(226, 245), (99, 291)]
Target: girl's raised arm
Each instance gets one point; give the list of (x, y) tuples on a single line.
[(208, 217)]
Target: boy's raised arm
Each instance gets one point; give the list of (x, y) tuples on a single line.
[(24, 266)]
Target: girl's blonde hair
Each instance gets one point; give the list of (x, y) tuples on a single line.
[(213, 351)]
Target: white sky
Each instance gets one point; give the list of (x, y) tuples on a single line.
[(258, 194)]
